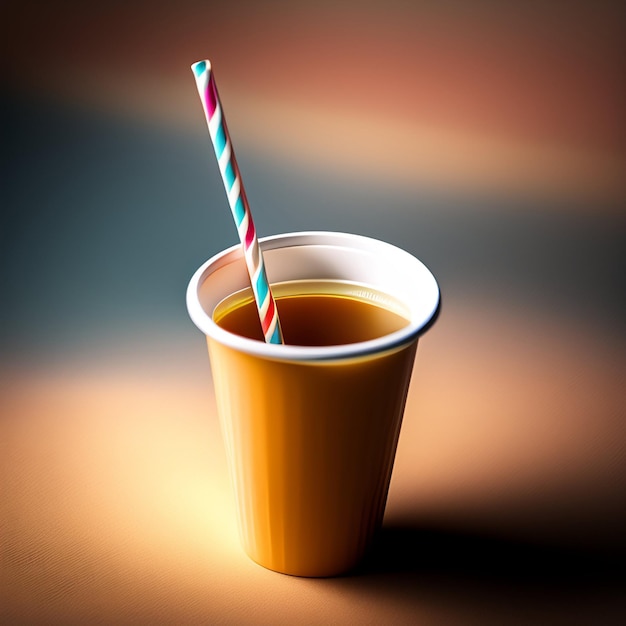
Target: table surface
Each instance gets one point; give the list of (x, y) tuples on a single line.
[(504, 504)]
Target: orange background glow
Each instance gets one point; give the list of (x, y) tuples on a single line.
[(485, 138)]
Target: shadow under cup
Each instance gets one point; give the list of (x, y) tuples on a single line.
[(311, 432)]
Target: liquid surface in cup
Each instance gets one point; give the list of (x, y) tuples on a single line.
[(317, 313)]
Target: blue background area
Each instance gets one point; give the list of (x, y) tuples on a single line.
[(105, 220)]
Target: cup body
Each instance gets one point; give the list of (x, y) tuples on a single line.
[(311, 432)]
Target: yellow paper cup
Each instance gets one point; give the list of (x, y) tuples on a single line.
[(311, 432)]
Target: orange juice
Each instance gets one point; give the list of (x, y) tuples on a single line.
[(316, 313)]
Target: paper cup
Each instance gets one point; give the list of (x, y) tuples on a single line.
[(311, 431)]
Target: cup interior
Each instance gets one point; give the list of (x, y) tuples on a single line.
[(363, 261)]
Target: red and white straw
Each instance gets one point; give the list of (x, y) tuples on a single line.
[(231, 177)]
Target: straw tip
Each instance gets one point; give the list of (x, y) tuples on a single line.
[(200, 67)]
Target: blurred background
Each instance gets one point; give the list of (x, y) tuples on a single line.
[(487, 138)]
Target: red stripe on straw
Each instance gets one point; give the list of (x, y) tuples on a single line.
[(268, 316), (211, 96), (250, 232)]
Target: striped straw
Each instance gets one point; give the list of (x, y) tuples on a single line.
[(225, 154)]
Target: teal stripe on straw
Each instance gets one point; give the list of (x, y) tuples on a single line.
[(229, 175), (275, 338), (220, 141), (239, 211), (261, 287), (199, 68)]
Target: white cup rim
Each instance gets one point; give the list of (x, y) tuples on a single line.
[(423, 314)]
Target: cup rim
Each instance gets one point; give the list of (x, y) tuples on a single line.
[(393, 341)]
